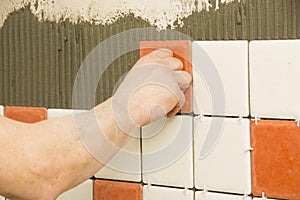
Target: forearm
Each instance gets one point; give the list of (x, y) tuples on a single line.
[(50, 154)]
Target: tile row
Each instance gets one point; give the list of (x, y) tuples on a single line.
[(232, 78), (231, 155), (111, 190), (227, 74)]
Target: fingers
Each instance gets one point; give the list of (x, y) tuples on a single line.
[(172, 63), (161, 53), (174, 111), (184, 79), (161, 57)]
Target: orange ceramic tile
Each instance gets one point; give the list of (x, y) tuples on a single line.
[(276, 159), (113, 190), (25, 114), (182, 51)]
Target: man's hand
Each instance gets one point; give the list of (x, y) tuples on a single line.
[(45, 159), (153, 88)]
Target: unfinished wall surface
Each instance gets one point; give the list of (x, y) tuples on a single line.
[(39, 60)]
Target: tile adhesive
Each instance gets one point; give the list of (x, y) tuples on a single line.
[(158, 13), (44, 42)]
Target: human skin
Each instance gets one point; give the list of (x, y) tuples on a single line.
[(42, 160)]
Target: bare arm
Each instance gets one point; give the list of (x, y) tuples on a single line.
[(40, 161)]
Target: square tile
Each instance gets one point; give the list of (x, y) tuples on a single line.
[(1, 110), (274, 78), (219, 196), (80, 192), (276, 159), (25, 114), (167, 152), (222, 161), (182, 51), (163, 193), (113, 190), (55, 113), (125, 165), (220, 78)]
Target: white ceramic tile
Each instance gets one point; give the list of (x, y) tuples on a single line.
[(227, 167), (219, 196), (274, 78), (54, 113), (220, 78), (2, 198), (1, 110), (125, 165), (167, 156), (80, 192), (163, 193)]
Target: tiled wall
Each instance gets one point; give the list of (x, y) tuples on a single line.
[(240, 143)]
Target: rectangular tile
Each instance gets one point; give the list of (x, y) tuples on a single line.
[(167, 152), (276, 159), (1, 110), (25, 114), (220, 78), (80, 192), (222, 160), (113, 190), (163, 193), (182, 51), (54, 113), (200, 195), (125, 165), (274, 78)]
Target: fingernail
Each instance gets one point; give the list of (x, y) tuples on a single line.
[(165, 49)]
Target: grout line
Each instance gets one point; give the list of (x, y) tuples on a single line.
[(141, 156), (114, 180), (249, 82), (220, 192)]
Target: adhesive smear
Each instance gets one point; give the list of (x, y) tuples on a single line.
[(160, 13)]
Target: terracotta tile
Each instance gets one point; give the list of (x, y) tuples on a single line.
[(25, 114), (276, 159), (84, 191), (113, 190), (182, 51)]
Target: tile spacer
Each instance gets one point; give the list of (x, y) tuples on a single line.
[(204, 190), (185, 191), (249, 149), (256, 120), (201, 117), (263, 196), (240, 119), (148, 186)]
